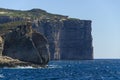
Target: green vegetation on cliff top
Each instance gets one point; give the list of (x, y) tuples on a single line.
[(4, 28), (28, 14), (33, 14)]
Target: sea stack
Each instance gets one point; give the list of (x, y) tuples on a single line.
[(26, 45)]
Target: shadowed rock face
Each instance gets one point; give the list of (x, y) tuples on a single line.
[(5, 19), (76, 40), (51, 30), (23, 44), (69, 39), (41, 45)]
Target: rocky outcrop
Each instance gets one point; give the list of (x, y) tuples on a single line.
[(69, 39), (6, 61), (6, 19), (24, 44)]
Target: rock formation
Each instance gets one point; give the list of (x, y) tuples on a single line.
[(76, 40), (24, 44), (6, 61), (51, 30), (69, 39), (6, 19)]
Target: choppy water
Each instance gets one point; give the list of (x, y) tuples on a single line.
[(66, 70)]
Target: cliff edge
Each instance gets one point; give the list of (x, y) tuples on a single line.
[(68, 38), (26, 45)]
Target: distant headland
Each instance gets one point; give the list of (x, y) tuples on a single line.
[(36, 36)]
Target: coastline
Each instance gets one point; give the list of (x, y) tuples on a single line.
[(6, 61)]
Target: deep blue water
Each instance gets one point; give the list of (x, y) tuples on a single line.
[(66, 70)]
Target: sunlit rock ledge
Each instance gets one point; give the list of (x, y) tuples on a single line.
[(6, 61)]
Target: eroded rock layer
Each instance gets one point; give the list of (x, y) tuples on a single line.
[(24, 44), (69, 39)]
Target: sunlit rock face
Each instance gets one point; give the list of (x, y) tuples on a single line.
[(69, 39), (1, 45), (24, 44)]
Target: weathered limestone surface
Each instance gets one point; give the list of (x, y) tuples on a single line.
[(1, 45), (24, 44), (69, 39), (76, 40), (6, 61), (51, 30), (5, 19)]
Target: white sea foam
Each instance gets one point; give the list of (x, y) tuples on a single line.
[(25, 67), (2, 76), (30, 67), (20, 67), (53, 66)]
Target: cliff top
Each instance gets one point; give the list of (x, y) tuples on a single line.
[(11, 18), (33, 13)]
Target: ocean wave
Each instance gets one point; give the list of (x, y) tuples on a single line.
[(20, 67), (25, 67), (31, 67)]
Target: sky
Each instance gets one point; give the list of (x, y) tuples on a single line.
[(105, 16)]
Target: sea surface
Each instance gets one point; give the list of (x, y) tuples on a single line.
[(66, 70)]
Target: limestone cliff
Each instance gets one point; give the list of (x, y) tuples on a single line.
[(69, 39), (6, 19), (24, 44), (76, 40)]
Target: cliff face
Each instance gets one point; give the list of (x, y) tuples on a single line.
[(24, 44), (69, 39), (51, 30), (76, 40), (6, 19)]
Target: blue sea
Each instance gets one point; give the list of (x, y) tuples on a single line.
[(106, 69)]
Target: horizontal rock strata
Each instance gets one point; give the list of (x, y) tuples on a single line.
[(6, 61)]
